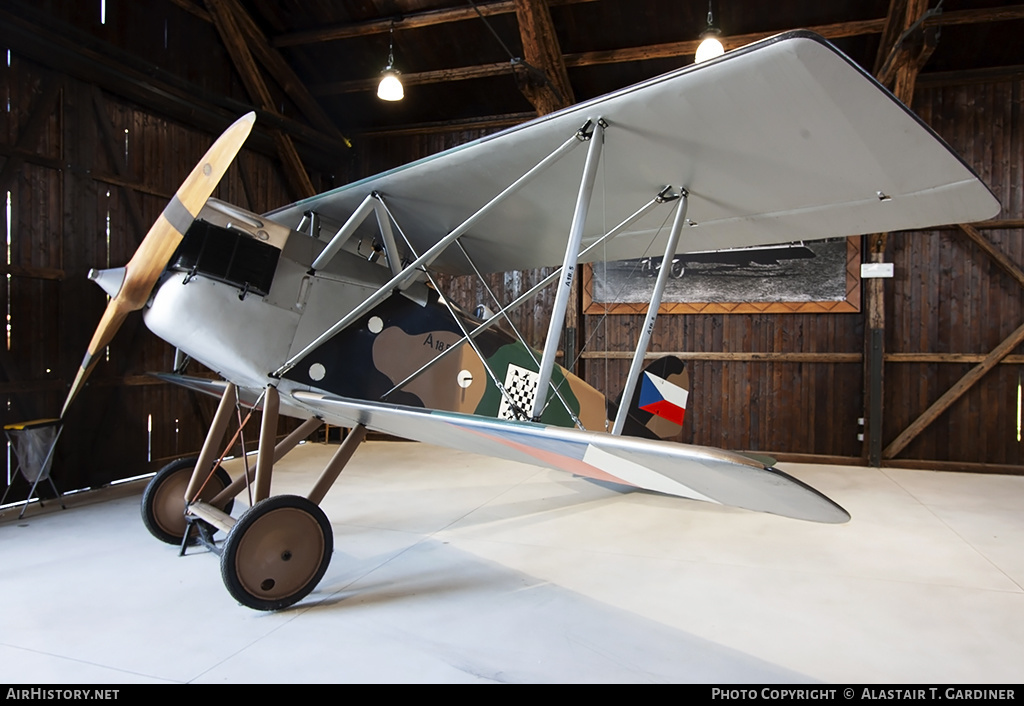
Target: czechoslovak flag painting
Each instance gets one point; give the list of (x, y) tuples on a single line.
[(663, 399)]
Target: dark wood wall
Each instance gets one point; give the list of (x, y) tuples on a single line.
[(949, 297), (87, 174)]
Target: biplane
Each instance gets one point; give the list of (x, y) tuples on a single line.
[(329, 310)]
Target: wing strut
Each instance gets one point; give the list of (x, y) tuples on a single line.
[(344, 233), (572, 252), (405, 277), (388, 217), (662, 197), (652, 313), (527, 346)]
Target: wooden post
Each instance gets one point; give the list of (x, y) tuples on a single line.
[(230, 33), (541, 51), (875, 354), (902, 15)]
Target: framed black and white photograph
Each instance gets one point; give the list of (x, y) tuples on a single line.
[(800, 277)]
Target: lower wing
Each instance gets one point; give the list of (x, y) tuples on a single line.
[(694, 472)]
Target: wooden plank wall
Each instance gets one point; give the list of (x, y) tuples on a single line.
[(949, 297), (67, 188)]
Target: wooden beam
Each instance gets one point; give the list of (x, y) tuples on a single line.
[(955, 392), (492, 121), (192, 8), (109, 140), (955, 466), (131, 184), (282, 72), (416, 79), (104, 177), (411, 21), (593, 58), (50, 273), (238, 50), (902, 15), (668, 50), (733, 356), (231, 34), (959, 358), (29, 134), (1000, 224), (37, 36), (1010, 267), (551, 90), (890, 33), (971, 76)]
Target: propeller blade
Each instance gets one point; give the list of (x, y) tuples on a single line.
[(156, 249)]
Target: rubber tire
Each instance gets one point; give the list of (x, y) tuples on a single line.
[(161, 513), (256, 562)]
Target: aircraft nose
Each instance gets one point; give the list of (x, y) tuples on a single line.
[(110, 280)]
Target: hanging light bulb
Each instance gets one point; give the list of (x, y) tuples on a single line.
[(390, 86), (711, 46)]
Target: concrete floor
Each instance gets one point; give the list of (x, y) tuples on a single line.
[(450, 567)]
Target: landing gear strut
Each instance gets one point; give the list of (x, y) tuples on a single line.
[(279, 549)]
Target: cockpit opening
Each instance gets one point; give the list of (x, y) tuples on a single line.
[(227, 255)]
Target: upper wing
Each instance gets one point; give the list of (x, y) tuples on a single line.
[(783, 140), (687, 471)]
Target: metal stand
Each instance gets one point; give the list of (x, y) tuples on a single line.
[(33, 443)]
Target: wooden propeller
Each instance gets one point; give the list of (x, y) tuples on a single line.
[(152, 256)]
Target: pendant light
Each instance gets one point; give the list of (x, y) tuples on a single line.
[(711, 46), (390, 86)]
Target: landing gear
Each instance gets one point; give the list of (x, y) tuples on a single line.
[(163, 502), (277, 552)]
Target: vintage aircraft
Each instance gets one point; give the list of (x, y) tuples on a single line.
[(328, 310)]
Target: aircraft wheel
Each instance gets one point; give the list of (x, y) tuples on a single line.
[(163, 502), (277, 552)]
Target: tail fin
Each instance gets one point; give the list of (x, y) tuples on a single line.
[(659, 402)]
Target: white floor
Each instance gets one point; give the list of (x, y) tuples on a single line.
[(450, 567)]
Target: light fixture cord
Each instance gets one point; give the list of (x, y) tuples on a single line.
[(508, 51), (391, 47), (711, 19)]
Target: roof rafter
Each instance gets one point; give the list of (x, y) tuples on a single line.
[(411, 21), (673, 49), (225, 15), (551, 90)]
